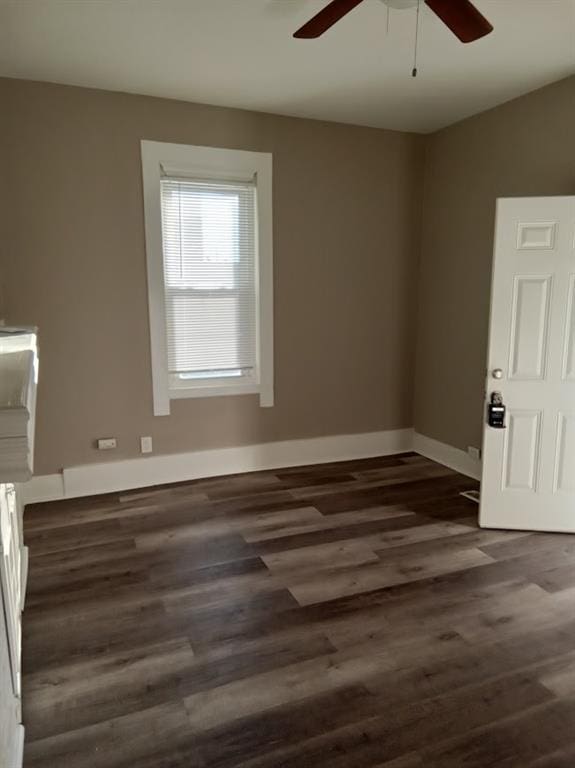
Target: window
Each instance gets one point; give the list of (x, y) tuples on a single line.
[(209, 249)]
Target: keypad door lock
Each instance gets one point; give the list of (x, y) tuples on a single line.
[(496, 411)]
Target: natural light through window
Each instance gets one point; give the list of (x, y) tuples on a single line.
[(209, 273)]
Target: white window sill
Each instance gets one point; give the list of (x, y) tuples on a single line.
[(221, 390)]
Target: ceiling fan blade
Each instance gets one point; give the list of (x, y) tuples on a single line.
[(326, 18), (462, 18)]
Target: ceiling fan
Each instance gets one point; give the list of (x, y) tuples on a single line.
[(461, 16)]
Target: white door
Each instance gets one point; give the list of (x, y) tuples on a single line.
[(529, 466)]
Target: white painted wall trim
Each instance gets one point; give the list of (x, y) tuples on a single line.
[(159, 158), (451, 457), (115, 476)]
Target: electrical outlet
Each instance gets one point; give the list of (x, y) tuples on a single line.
[(146, 444), (475, 453), (107, 444)]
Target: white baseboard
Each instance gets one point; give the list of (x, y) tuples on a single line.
[(110, 477), (451, 457), (42, 488)]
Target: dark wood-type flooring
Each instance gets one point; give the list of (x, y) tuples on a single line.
[(348, 615)]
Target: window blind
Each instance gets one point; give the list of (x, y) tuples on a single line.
[(209, 247)]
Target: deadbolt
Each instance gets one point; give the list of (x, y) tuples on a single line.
[(497, 373), (496, 411)]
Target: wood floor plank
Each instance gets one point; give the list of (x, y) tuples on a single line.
[(324, 523), (556, 579), (71, 537), (345, 467), (104, 688), (413, 471), (58, 563), (265, 691), (380, 480), (117, 684), (406, 493), (324, 535), (559, 676), (320, 557), (505, 617), (397, 731), (412, 760), (147, 739), (48, 643), (229, 618), (260, 524), (564, 757), (537, 543), (275, 730), (512, 743), (494, 660), (381, 574), (284, 483)]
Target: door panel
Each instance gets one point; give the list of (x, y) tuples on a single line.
[(530, 327), (529, 468), (536, 235), (521, 462), (565, 462), (569, 355)]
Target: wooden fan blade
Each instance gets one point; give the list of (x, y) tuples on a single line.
[(325, 19), (462, 18)]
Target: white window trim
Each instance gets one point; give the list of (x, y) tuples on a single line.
[(207, 162)]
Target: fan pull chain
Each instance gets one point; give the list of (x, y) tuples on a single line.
[(414, 70)]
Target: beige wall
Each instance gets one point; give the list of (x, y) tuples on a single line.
[(347, 234), (346, 217), (523, 148)]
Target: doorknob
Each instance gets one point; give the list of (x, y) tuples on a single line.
[(497, 373)]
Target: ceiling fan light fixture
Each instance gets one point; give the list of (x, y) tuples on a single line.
[(400, 5)]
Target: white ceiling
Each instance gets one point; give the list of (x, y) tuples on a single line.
[(241, 53)]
